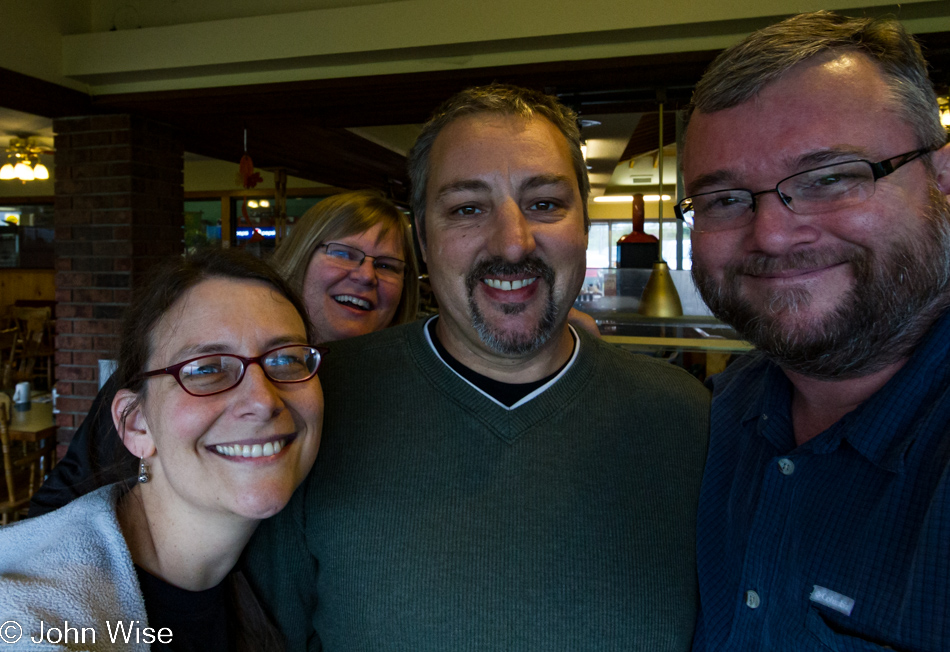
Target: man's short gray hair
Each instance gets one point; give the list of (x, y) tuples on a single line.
[(502, 99), (742, 71)]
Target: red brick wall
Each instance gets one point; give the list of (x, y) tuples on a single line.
[(119, 209)]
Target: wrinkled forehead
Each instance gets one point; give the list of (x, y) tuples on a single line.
[(215, 309), (834, 100)]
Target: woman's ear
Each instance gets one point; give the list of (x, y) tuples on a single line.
[(133, 428)]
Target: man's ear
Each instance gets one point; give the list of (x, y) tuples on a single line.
[(133, 428), (941, 162)]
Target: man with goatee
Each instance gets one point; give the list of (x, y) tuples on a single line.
[(492, 479)]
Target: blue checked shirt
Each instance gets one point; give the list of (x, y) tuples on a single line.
[(842, 543)]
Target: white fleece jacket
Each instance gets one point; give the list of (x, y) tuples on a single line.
[(67, 581)]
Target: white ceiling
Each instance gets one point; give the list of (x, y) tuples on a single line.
[(15, 124)]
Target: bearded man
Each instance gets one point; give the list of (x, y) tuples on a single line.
[(817, 174), (492, 479)]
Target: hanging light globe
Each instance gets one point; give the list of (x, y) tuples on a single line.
[(23, 171)]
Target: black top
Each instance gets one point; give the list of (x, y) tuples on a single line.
[(199, 620), (505, 393)]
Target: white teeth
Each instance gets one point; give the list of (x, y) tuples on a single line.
[(356, 301), (507, 286), (255, 450)]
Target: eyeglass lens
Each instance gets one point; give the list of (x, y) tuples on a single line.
[(822, 190), (351, 257), (211, 374)]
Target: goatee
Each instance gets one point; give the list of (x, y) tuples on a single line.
[(505, 342)]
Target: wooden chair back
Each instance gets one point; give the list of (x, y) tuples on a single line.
[(34, 359), (8, 342), (17, 493)]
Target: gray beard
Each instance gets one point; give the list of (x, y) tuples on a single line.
[(498, 340), (896, 297)]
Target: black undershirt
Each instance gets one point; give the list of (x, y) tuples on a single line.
[(198, 619), (505, 393)]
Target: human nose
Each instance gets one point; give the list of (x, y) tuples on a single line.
[(259, 397), (776, 229), (512, 237), (365, 272)]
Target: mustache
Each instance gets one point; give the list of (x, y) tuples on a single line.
[(763, 265), (498, 266)]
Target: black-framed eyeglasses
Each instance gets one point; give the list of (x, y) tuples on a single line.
[(218, 372), (351, 258), (822, 190)]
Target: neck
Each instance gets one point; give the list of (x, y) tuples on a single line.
[(194, 551), (543, 362), (817, 404)]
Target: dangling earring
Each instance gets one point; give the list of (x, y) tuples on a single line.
[(143, 471)]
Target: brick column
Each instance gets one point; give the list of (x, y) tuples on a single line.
[(119, 209)]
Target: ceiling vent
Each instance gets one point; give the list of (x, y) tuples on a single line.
[(641, 179)]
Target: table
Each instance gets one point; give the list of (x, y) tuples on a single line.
[(36, 426)]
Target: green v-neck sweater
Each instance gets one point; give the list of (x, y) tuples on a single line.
[(436, 519)]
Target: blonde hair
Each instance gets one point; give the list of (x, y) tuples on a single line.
[(343, 215)]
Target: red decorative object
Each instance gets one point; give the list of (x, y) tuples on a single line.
[(248, 178), (637, 235)]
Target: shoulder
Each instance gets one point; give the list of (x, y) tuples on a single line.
[(388, 342), (620, 368), (748, 369), (72, 562)]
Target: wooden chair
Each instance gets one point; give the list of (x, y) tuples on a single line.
[(34, 358), (18, 494), (24, 466)]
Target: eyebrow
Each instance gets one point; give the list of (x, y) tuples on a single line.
[(728, 179), (543, 180), (477, 185), (829, 156), (470, 185), (224, 348), (717, 178)]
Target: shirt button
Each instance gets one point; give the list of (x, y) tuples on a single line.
[(752, 600), (786, 466), (765, 417)]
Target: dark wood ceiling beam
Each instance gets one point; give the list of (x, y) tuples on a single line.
[(645, 137), (410, 98), (31, 95)]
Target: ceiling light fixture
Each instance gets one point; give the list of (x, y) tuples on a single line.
[(23, 161)]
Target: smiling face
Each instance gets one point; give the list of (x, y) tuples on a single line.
[(198, 465), (834, 285), (505, 241), (345, 303)]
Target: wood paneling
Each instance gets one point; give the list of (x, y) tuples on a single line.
[(26, 284)]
